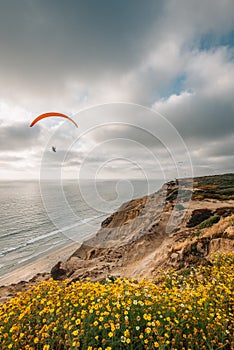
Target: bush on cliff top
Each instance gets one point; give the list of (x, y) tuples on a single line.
[(209, 222)]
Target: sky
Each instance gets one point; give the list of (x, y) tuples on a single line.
[(150, 84)]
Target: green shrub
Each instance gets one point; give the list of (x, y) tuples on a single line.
[(209, 222), (197, 233)]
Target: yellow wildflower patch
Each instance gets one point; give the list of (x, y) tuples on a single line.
[(177, 310)]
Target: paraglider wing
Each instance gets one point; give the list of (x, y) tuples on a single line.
[(52, 114)]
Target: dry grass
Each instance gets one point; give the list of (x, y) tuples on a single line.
[(219, 229)]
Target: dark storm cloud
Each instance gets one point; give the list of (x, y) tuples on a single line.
[(18, 137), (78, 50), (43, 40), (66, 56)]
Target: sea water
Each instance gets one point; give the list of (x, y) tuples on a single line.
[(35, 221)]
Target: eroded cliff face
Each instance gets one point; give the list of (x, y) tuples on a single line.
[(152, 233), (156, 232)]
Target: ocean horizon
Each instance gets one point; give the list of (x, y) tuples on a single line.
[(34, 221)]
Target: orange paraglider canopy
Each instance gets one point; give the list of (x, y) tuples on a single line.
[(52, 114)]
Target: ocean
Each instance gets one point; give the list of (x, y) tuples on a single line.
[(34, 220)]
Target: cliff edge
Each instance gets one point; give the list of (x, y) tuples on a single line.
[(159, 232), (179, 226)]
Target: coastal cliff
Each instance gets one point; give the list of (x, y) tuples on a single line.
[(153, 233), (141, 238)]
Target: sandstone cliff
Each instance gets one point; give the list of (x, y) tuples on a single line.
[(159, 232), (179, 226)]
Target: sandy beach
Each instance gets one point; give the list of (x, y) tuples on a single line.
[(43, 264)]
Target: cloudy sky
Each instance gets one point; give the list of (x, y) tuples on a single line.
[(150, 84)]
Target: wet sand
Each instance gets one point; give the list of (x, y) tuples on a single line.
[(43, 264)]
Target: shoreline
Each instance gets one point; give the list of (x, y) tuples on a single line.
[(41, 265)]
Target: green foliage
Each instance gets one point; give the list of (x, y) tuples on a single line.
[(216, 181), (197, 233), (187, 310), (209, 222), (191, 309)]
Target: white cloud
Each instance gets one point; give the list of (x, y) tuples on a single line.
[(210, 73), (160, 61)]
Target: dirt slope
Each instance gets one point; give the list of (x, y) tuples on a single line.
[(139, 238), (155, 232)]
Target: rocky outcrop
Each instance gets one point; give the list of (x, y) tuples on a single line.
[(198, 216), (126, 213), (199, 250), (134, 241), (58, 272), (154, 232)]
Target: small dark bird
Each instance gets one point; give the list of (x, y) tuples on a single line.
[(53, 149)]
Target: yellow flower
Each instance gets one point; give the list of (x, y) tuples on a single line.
[(36, 340), (147, 330), (65, 306), (126, 333), (46, 347)]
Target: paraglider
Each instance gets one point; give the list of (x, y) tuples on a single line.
[(53, 149), (52, 114)]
